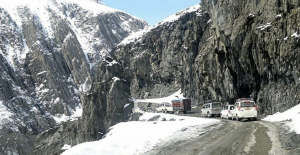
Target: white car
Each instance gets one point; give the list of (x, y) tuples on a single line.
[(227, 111), (165, 108), (211, 109), (244, 108)]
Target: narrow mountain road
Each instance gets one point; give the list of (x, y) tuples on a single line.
[(231, 138)]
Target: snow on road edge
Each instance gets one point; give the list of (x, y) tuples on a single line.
[(291, 118), (139, 137)]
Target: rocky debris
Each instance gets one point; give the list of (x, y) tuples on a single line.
[(52, 141), (154, 118), (290, 140), (172, 119), (135, 116)]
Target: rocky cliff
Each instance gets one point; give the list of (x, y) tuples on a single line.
[(224, 50)]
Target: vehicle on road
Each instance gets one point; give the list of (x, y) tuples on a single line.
[(244, 108), (181, 105), (211, 109), (227, 111), (165, 107)]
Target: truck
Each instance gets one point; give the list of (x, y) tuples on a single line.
[(165, 107), (181, 105)]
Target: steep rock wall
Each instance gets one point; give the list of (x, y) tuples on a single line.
[(256, 45), (234, 49)]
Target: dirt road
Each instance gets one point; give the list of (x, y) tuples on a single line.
[(229, 138)]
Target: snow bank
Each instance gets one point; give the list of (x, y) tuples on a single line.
[(161, 100), (139, 137), (291, 118)]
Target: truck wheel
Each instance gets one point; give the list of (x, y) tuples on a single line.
[(208, 115)]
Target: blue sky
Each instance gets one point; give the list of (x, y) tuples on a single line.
[(153, 11)]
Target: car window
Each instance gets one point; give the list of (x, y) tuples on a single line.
[(231, 107), (226, 107), (247, 104), (216, 105)]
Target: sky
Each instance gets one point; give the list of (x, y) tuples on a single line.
[(153, 11)]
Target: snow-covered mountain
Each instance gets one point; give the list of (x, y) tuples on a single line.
[(49, 50)]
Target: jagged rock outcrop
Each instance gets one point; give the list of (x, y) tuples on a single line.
[(108, 102), (106, 105)]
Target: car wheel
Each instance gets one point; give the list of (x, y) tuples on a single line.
[(254, 119), (208, 115), (221, 116), (237, 118), (232, 118), (227, 117)]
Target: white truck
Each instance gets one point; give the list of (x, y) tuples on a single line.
[(165, 107)]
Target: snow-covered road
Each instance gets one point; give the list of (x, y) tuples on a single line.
[(139, 137)]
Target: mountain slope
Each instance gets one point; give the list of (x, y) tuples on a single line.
[(49, 51)]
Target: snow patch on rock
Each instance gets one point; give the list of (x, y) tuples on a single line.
[(168, 99)]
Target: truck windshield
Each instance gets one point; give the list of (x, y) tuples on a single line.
[(247, 104), (216, 105)]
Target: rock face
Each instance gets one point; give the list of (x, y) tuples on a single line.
[(49, 54), (161, 62), (256, 46), (224, 50)]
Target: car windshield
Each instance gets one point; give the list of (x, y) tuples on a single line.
[(247, 104), (216, 105), (168, 105)]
